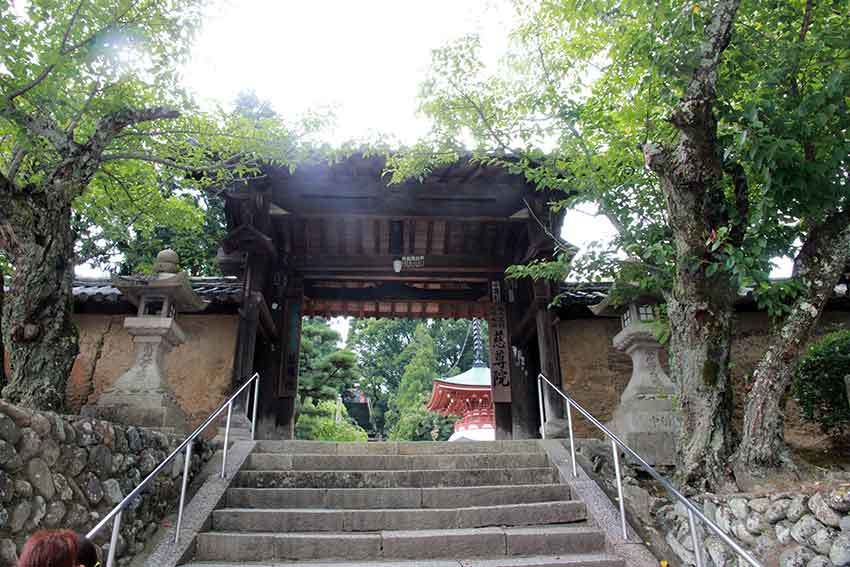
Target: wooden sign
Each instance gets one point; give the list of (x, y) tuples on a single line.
[(500, 361)]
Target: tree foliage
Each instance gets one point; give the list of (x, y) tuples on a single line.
[(407, 418), (327, 420), (711, 134), (325, 370), (92, 112), (822, 381), (385, 348)]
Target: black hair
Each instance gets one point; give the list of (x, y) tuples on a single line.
[(87, 554)]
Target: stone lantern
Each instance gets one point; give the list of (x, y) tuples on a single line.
[(646, 418), (141, 396)]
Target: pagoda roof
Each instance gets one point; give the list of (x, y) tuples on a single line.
[(448, 395), (475, 376)]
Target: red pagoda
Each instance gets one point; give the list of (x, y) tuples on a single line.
[(468, 395)]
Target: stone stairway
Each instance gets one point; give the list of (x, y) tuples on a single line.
[(496, 504)]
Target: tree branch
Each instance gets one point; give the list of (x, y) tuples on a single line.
[(48, 69), (39, 126), (75, 121), (483, 117), (112, 125), (718, 35), (740, 186), (18, 156), (228, 163)]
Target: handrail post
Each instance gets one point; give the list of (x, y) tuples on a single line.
[(540, 406), (572, 440), (187, 461), (695, 538), (256, 404), (620, 489), (694, 513), (226, 438), (113, 540)]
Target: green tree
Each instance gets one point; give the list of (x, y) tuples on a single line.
[(91, 108), (325, 370), (713, 136), (380, 347), (407, 418), (326, 420)]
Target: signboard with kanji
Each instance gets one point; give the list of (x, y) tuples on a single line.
[(500, 362)]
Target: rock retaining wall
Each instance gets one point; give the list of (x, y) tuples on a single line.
[(60, 471), (792, 529)]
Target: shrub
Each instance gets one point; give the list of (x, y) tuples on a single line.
[(318, 422), (819, 383)]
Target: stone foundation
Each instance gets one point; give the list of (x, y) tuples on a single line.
[(61, 471), (787, 529)]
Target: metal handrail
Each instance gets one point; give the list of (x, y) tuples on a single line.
[(115, 513), (693, 510)]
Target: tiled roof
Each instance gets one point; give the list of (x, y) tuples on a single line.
[(582, 293), (214, 290)]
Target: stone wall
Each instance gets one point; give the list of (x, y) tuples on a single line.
[(199, 371), (60, 471), (596, 374), (791, 529)]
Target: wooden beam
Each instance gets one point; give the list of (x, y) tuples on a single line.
[(247, 238), (460, 263), (395, 291), (429, 237), (267, 325)]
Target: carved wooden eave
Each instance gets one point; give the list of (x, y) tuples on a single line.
[(247, 238)]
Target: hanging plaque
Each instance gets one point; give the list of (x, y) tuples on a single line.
[(500, 367)]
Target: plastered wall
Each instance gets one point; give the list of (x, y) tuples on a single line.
[(199, 371), (595, 373)]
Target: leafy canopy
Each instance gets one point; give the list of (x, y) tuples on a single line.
[(92, 113), (588, 83)]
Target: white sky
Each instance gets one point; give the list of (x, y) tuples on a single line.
[(363, 58)]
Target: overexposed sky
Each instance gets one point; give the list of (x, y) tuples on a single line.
[(365, 59)]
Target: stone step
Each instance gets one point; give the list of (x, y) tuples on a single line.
[(399, 448), (418, 544), (316, 520), (304, 462), (573, 560), (360, 498), (394, 479)]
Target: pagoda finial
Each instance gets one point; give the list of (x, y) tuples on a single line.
[(477, 345)]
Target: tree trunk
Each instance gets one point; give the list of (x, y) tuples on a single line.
[(37, 325), (700, 303), (818, 267), (700, 344)]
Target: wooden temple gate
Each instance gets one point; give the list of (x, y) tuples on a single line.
[(332, 240)]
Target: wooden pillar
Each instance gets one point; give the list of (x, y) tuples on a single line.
[(246, 334), (279, 383), (500, 362), (550, 366), (524, 412)]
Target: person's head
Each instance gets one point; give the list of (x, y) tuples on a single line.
[(50, 549), (88, 554)]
